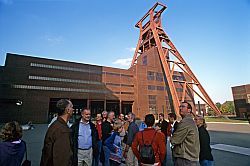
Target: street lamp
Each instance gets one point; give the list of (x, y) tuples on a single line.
[(19, 103)]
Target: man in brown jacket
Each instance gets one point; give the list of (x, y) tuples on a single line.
[(57, 143), (185, 140)]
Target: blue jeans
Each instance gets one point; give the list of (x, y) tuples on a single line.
[(97, 157), (107, 155), (206, 163)]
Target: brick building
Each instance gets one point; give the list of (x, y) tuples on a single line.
[(241, 95), (31, 86)]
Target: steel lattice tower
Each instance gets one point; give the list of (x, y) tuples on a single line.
[(152, 34)]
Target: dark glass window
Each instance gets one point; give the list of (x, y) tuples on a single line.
[(179, 89), (144, 60), (151, 99), (112, 84), (127, 85), (125, 75), (159, 77), (151, 87), (151, 75), (114, 74), (161, 88), (129, 93), (176, 77)]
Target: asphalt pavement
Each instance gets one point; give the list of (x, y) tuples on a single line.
[(228, 134)]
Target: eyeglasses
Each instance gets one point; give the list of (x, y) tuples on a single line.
[(182, 106)]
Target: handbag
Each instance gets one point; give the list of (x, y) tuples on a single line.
[(26, 161)]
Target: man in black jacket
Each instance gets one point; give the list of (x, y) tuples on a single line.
[(164, 124), (85, 137), (107, 128)]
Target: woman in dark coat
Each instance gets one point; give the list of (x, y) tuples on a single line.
[(206, 158), (12, 148)]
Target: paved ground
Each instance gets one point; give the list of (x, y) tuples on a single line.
[(229, 127), (34, 139), (239, 135)]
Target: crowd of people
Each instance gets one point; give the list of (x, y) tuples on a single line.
[(110, 141)]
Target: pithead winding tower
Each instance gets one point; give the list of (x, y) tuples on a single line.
[(152, 35)]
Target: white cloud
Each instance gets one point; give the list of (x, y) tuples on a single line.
[(6, 2), (53, 40), (123, 62), (131, 49)]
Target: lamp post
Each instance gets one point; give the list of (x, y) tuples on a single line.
[(19, 103)]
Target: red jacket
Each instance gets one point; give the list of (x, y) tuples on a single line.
[(99, 129), (159, 143)]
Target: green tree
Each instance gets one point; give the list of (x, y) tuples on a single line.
[(218, 105), (210, 112), (228, 107)]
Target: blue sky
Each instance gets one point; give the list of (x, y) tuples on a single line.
[(213, 36)]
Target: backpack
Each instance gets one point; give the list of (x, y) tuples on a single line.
[(147, 155)]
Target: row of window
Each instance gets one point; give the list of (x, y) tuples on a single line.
[(74, 81), (117, 74), (181, 78), (112, 84), (128, 93), (47, 66), (48, 88), (153, 87), (63, 80), (155, 76), (161, 88), (64, 68), (159, 76)]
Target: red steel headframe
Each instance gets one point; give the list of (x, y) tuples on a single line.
[(153, 35)]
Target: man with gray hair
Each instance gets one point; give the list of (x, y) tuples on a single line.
[(85, 137), (104, 115), (128, 154)]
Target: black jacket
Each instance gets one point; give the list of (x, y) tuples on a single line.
[(205, 149), (175, 126), (106, 130), (75, 133), (164, 127)]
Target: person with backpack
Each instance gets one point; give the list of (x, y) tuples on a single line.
[(152, 144)]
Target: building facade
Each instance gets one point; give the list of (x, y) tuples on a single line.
[(31, 86), (241, 95)]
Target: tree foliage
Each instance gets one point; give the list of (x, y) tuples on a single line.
[(218, 105), (227, 107)]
